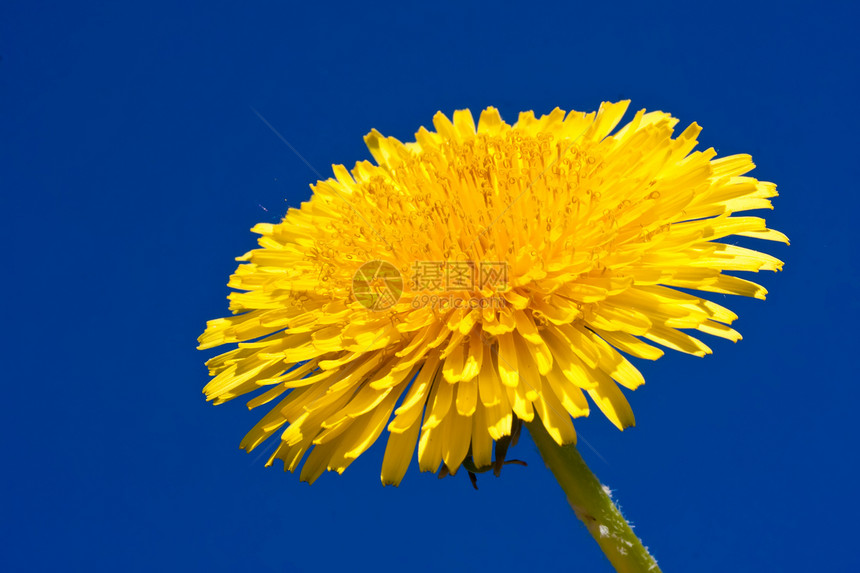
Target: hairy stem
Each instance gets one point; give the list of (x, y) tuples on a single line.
[(592, 504)]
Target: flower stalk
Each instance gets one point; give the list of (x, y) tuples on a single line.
[(592, 504)]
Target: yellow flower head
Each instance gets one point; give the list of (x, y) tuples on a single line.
[(481, 276)]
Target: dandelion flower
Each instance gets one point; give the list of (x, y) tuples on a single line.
[(481, 276)]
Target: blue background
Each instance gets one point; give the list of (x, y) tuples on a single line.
[(132, 167)]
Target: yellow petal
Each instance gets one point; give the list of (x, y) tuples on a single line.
[(467, 397), (398, 453), (612, 403)]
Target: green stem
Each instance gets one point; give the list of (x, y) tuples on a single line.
[(592, 504)]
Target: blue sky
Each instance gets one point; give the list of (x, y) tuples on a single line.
[(132, 168)]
